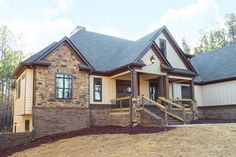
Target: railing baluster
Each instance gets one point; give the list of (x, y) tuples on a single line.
[(184, 116), (166, 118)]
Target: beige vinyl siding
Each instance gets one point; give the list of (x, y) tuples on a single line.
[(23, 105), (108, 89), (172, 56), (20, 121), (177, 93), (19, 103), (29, 91), (144, 86), (219, 94), (198, 95), (153, 68)]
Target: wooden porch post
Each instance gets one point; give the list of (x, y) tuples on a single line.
[(166, 78), (134, 92), (162, 91), (192, 93), (134, 83)]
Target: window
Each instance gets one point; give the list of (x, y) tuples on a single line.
[(27, 125), (18, 89), (185, 91), (97, 89), (163, 46), (63, 86)]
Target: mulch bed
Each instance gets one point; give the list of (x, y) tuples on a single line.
[(84, 132), (212, 121)]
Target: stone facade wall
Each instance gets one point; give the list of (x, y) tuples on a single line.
[(49, 120), (9, 140), (217, 112), (100, 115), (63, 60)]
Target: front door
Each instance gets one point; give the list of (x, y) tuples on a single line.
[(123, 89), (153, 91)]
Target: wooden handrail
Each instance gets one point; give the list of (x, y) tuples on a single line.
[(171, 103), (122, 98), (155, 103), (182, 100)]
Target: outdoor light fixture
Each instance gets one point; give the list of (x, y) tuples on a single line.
[(152, 59)]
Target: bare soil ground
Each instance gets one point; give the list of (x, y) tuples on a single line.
[(197, 141)]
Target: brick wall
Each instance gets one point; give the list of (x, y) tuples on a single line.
[(217, 112), (63, 60), (52, 120), (9, 140)]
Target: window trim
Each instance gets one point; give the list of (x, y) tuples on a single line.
[(63, 85), (182, 92), (28, 126), (94, 89), (165, 52)]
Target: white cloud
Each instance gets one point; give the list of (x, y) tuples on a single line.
[(39, 34), (3, 3), (112, 31), (183, 13), (64, 5)]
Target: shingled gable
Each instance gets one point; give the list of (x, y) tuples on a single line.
[(180, 53), (37, 58), (106, 54)]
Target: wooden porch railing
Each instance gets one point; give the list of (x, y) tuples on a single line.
[(161, 107), (120, 100), (168, 101)]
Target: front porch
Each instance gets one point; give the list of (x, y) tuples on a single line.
[(156, 94)]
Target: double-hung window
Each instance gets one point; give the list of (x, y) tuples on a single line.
[(63, 86), (97, 89)]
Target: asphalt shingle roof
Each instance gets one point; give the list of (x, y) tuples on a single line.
[(35, 56), (106, 53), (216, 65), (103, 52)]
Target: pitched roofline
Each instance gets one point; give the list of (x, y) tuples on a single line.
[(165, 31), (65, 39), (152, 43), (38, 61), (215, 81), (120, 69), (22, 66)]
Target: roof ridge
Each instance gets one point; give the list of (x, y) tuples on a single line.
[(101, 35), (151, 34)]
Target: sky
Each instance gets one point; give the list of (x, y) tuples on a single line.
[(42, 22)]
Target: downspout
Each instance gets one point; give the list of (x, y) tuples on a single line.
[(90, 112)]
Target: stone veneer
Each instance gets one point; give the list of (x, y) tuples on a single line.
[(53, 120), (217, 112), (9, 140), (63, 60)]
